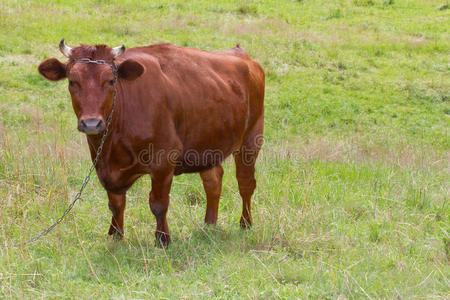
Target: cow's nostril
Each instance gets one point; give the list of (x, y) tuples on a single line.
[(91, 126)]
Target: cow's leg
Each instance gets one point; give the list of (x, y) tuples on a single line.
[(212, 182), (245, 160), (159, 203), (117, 206), (245, 174)]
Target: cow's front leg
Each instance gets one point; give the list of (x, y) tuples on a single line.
[(159, 203), (117, 206)]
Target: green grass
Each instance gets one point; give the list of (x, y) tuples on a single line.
[(353, 179)]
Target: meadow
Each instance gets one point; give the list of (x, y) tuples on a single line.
[(353, 179)]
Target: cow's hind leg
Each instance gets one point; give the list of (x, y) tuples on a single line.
[(117, 206), (159, 203), (245, 160), (212, 183)]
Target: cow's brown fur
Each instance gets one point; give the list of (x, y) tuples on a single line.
[(171, 102)]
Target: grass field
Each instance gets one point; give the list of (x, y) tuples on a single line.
[(353, 179)]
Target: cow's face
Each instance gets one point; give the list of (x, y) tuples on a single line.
[(91, 86)]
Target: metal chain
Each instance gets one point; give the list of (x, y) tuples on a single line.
[(99, 150)]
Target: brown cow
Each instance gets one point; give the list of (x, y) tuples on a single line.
[(179, 110)]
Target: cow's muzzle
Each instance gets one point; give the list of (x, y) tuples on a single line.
[(91, 126)]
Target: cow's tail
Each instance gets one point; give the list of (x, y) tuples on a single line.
[(237, 50)]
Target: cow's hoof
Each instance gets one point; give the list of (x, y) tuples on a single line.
[(245, 223), (115, 233), (162, 239)]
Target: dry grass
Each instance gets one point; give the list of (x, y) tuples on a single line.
[(358, 149)]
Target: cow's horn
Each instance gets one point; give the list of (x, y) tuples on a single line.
[(118, 51), (65, 50)]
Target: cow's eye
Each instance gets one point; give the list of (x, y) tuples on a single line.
[(71, 83), (111, 82)]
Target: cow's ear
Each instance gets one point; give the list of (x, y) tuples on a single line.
[(130, 69), (52, 69)]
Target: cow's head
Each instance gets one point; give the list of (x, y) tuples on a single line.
[(91, 86)]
